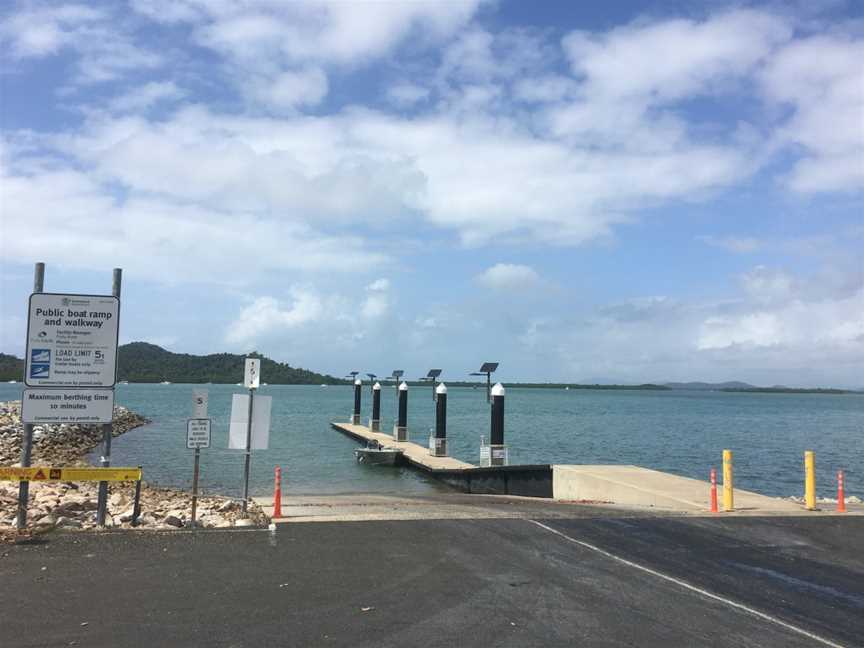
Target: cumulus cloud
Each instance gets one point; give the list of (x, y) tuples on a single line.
[(508, 276), (821, 79), (265, 314), (377, 301)]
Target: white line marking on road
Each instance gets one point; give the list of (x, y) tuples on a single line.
[(692, 588)]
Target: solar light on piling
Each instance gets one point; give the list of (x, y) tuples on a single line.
[(432, 377), (487, 370), (352, 375), (372, 378)]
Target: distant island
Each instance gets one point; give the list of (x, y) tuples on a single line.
[(142, 362)]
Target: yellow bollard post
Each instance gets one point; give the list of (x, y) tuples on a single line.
[(810, 480), (728, 487)]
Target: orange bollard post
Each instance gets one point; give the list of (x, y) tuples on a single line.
[(714, 507), (841, 493), (277, 494)]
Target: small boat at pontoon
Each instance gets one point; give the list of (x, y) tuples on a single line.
[(375, 454)]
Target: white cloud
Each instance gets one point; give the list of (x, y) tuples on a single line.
[(737, 244), (406, 94), (266, 314), (830, 325), (668, 60), (105, 49), (306, 87), (159, 238), (377, 301), (38, 32), (821, 78), (140, 98), (508, 276)]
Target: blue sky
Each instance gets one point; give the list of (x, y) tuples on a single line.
[(603, 192)]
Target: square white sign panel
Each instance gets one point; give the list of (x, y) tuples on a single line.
[(71, 340), (260, 422), (198, 433), (67, 406), (199, 403), (252, 374)]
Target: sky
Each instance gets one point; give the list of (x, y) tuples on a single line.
[(586, 192)]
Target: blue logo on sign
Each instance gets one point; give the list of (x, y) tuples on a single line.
[(40, 363)]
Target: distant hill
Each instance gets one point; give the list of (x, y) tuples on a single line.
[(733, 384), (148, 363), (144, 362), (11, 368)]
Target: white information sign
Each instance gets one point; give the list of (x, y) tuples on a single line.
[(252, 376), (67, 406), (198, 433), (199, 403), (72, 340), (260, 422)]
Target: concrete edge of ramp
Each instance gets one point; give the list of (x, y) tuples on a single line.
[(629, 485)]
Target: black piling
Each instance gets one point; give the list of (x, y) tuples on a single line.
[(496, 435), (375, 421), (358, 388), (401, 431), (439, 442)]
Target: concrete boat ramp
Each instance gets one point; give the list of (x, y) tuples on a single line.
[(624, 487)]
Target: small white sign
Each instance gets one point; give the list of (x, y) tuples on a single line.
[(198, 433), (72, 340), (67, 406), (199, 403), (260, 422), (252, 377)]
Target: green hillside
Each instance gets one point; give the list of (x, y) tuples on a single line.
[(11, 368), (143, 362)]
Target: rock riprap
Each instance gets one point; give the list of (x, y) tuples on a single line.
[(57, 444), (67, 505)]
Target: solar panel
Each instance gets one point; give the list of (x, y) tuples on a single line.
[(397, 373), (434, 373), (489, 367)]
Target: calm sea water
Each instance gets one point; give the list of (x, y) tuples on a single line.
[(683, 432)]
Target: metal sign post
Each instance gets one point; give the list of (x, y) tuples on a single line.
[(27, 441), (197, 437), (108, 428), (251, 380)]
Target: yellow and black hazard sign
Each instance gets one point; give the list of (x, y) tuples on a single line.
[(43, 473)]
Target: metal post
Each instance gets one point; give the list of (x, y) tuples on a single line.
[(107, 428), (400, 432), (496, 434), (489, 387), (810, 480), (248, 453), (375, 421), (728, 486), (439, 443), (195, 485), (358, 389), (27, 441), (136, 507)]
